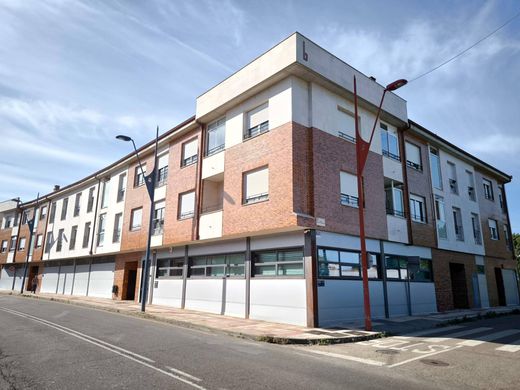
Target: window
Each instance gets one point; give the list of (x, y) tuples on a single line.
[(349, 190), (337, 263), (170, 268), (59, 243), (216, 134), (493, 229), (158, 218), (4, 246), (417, 209), (389, 143), (189, 152), (53, 212), (12, 244), (256, 186), (501, 197), (77, 203), (39, 240), (457, 223), (118, 225), (435, 167), (452, 178), (139, 175), (136, 219), (105, 190), (506, 237), (488, 189), (162, 170), (347, 125), (475, 223), (471, 186), (64, 206), (257, 121), (121, 187), (441, 218), (287, 262), (43, 212), (413, 156), (86, 235), (90, 204), (49, 242), (8, 222), (401, 267), (73, 236), (101, 229), (24, 217), (186, 205), (217, 265), (21, 244), (394, 201)]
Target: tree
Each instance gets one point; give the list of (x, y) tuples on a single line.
[(516, 249)]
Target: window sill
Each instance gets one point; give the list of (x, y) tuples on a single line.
[(189, 164), (185, 218), (245, 139), (255, 202), (353, 206), (420, 222), (136, 229)]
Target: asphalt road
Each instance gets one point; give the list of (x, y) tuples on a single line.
[(49, 345)]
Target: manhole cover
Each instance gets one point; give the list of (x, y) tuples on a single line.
[(387, 351), (431, 362)]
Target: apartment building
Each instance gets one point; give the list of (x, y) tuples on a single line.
[(256, 207)]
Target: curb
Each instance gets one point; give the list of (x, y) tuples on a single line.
[(267, 338)]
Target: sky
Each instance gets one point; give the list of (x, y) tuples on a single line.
[(74, 74)]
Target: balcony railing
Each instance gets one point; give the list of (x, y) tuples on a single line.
[(411, 164), (186, 215), (397, 213), (346, 137), (391, 155), (257, 130), (189, 160), (215, 150), (349, 200)]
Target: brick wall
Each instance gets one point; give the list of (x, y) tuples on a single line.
[(5, 234), (23, 232), (441, 260), (125, 262), (490, 263)]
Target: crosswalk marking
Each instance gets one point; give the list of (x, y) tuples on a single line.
[(489, 337), (431, 331), (511, 347), (447, 337)]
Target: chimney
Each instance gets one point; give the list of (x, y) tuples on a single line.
[(372, 78), (56, 187)]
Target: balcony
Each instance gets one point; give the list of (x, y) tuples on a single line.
[(211, 225), (213, 166), (212, 203)]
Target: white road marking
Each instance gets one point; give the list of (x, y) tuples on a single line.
[(427, 332), (83, 335), (184, 374), (489, 337), (449, 336), (347, 357), (511, 347), (423, 356), (107, 346)]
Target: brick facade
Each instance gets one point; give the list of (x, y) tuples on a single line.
[(490, 264), (125, 262)]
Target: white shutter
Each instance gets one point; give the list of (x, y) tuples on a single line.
[(160, 205), (257, 182), (188, 203), (258, 115), (413, 153), (162, 161), (137, 216), (493, 224), (348, 184), (190, 148), (346, 125)]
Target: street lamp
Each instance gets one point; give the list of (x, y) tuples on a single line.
[(150, 187), (30, 224), (362, 149)]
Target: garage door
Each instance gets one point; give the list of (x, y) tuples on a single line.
[(101, 280), (81, 280), (510, 287), (6, 278), (18, 278), (50, 280), (66, 278)]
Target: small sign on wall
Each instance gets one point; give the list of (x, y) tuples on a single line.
[(321, 283), (320, 222), (156, 284)]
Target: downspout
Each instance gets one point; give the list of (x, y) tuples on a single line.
[(199, 188), (95, 217), (44, 239)]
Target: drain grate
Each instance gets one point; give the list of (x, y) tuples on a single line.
[(432, 362), (387, 351)]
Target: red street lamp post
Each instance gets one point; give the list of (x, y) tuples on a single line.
[(362, 149)]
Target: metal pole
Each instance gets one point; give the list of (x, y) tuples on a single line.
[(150, 186)]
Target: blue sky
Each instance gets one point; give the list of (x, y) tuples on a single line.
[(73, 74)]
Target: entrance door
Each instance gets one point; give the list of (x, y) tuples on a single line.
[(32, 273), (459, 286), (130, 287), (500, 287)]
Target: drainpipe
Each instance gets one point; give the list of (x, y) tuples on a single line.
[(44, 239), (405, 182), (16, 241), (91, 252)]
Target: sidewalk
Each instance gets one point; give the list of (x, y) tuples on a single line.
[(237, 327)]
